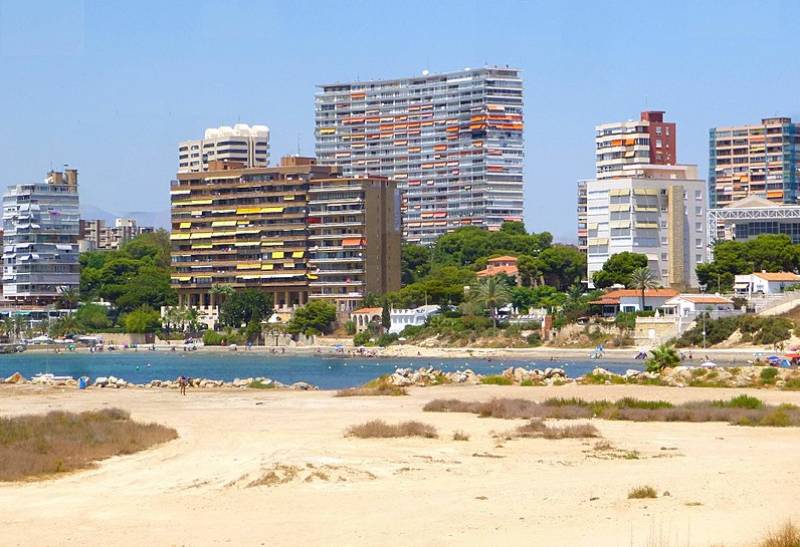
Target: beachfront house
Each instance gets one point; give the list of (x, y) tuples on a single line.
[(402, 318), (692, 305), (630, 300), (362, 317), (766, 283)]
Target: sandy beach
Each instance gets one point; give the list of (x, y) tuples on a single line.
[(727, 484)]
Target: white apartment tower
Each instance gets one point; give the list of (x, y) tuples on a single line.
[(40, 239), (452, 142), (655, 210), (244, 144)]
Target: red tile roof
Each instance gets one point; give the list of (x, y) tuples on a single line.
[(705, 299), (495, 270), (502, 259), (778, 276), (611, 298), (369, 310)]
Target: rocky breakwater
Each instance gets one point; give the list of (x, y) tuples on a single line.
[(112, 382), (546, 377), (403, 377), (698, 376)]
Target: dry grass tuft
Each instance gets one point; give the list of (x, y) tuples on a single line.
[(57, 442), (742, 410), (460, 436), (378, 429), (787, 536), (377, 387), (539, 429), (642, 492)]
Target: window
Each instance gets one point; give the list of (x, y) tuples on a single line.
[(658, 130), (659, 144)]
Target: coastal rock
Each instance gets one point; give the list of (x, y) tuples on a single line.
[(101, 381), (554, 372), (599, 371), (15, 378), (632, 373), (303, 386)]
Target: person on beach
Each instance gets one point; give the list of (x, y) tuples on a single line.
[(182, 382)]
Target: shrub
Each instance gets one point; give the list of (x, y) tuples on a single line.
[(642, 492), (387, 339), (497, 380), (537, 428), (741, 401), (362, 339), (381, 430), (350, 327), (787, 536), (460, 436), (259, 384), (534, 339), (664, 356), (57, 442), (768, 375), (378, 386)]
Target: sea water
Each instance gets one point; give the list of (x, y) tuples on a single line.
[(327, 372)]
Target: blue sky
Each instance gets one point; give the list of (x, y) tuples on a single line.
[(111, 87)]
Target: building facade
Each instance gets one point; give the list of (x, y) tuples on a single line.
[(40, 239), (297, 231), (241, 144), (646, 141), (452, 142), (354, 233), (95, 234), (754, 160), (620, 146), (658, 211)]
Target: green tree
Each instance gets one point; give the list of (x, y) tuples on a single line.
[(141, 320), (68, 299), (93, 317), (642, 279), (316, 317), (664, 356), (245, 306), (386, 317), (513, 227), (221, 291), (492, 293), (529, 272), (618, 269), (562, 266), (415, 262), (66, 326)]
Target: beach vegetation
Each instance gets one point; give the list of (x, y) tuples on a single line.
[(379, 386), (754, 329), (460, 436), (537, 428), (142, 320), (497, 380), (741, 410), (768, 375), (642, 492), (787, 535), (58, 442), (378, 429), (663, 356)]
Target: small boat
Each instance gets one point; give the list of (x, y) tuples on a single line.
[(708, 364)]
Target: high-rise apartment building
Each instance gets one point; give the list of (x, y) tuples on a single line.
[(40, 239), (354, 238), (655, 210), (760, 160), (297, 231), (452, 142), (622, 145), (646, 141), (96, 235), (240, 144)]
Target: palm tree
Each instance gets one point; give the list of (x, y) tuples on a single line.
[(8, 327), (191, 316), (663, 356), (68, 299), (493, 293), (642, 279)]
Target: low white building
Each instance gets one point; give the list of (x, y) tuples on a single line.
[(402, 318), (765, 283), (689, 305), (630, 300)]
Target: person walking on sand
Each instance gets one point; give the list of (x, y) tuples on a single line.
[(182, 382)]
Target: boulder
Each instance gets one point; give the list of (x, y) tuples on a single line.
[(15, 378), (101, 381), (632, 373), (303, 386)]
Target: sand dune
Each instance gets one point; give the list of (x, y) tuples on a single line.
[(273, 468)]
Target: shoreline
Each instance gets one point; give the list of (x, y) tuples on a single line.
[(730, 355)]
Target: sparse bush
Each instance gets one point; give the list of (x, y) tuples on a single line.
[(378, 429), (787, 535), (642, 492), (363, 338), (379, 386), (497, 380), (460, 436), (57, 442), (768, 375), (537, 428), (259, 384)]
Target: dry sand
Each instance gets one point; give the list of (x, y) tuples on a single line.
[(726, 484)]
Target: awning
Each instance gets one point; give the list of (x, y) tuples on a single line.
[(744, 285), (352, 241)]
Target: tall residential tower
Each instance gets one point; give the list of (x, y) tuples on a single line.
[(452, 142), (40, 239), (754, 160), (241, 143)]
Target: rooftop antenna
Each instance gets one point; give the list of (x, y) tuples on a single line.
[(298, 143)]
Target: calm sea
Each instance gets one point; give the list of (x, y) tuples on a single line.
[(327, 372)]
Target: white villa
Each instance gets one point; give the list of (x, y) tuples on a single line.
[(402, 318), (765, 283)]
